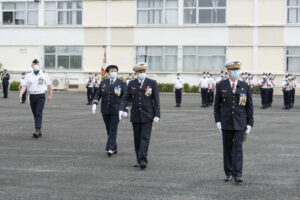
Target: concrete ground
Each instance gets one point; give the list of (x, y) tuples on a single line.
[(185, 161)]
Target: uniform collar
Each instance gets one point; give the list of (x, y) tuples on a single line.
[(37, 73), (236, 82)]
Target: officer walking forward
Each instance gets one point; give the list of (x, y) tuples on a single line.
[(144, 95), (233, 111), (111, 91), (36, 83)]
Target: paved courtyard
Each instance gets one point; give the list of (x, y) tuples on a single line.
[(185, 161)]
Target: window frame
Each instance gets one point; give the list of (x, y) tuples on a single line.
[(163, 55), (57, 10), (291, 56), (163, 10), (26, 11), (69, 54), (198, 8), (197, 55), (297, 7)]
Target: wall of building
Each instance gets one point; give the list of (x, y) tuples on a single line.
[(256, 33)]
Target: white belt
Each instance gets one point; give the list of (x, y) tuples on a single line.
[(37, 92)]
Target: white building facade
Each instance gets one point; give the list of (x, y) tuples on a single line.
[(71, 38)]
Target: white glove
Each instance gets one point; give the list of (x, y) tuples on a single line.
[(248, 129), (125, 115), (219, 126), (120, 114), (94, 108), (156, 119)]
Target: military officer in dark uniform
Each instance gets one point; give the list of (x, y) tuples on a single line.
[(5, 83), (143, 93), (111, 91), (233, 113)]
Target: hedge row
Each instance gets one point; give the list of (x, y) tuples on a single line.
[(14, 86), (163, 87), (168, 87)]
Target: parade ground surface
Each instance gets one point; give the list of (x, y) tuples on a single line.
[(185, 156)]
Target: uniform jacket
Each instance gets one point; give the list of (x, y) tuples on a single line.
[(111, 96), (5, 78), (233, 110), (145, 101)]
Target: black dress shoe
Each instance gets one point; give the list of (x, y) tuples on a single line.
[(115, 152), (40, 133), (228, 178), (35, 134), (136, 165), (238, 179), (143, 165), (109, 153)]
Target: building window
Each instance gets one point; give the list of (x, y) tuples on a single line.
[(293, 11), (63, 57), (63, 12), (157, 11), (160, 59), (293, 59), (19, 13), (197, 59), (204, 11)]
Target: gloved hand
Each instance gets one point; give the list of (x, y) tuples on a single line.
[(120, 114), (125, 115), (156, 119), (248, 129), (94, 108), (219, 126)]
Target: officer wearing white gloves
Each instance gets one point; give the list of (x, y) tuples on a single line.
[(233, 112), (111, 91), (143, 93)]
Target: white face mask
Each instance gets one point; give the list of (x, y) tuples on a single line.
[(142, 76), (113, 75), (36, 68)]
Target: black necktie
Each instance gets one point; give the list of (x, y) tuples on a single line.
[(111, 82)]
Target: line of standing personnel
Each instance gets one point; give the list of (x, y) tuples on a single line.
[(267, 85), (289, 85), (92, 85), (207, 88)]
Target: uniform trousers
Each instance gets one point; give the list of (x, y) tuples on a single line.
[(37, 103), (90, 94), (233, 152), (204, 96), (5, 89), (111, 124), (178, 96), (142, 135)]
